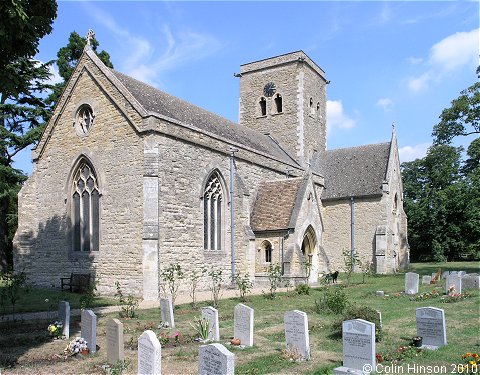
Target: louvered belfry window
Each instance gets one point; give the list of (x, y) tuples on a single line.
[(212, 211), (85, 209)]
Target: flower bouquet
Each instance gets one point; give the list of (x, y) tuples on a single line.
[(55, 330), (76, 346)]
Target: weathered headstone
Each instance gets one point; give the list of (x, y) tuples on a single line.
[(211, 314), (166, 311), (149, 354), (454, 273), (64, 317), (454, 281), (89, 329), (243, 324), (296, 333), (445, 274), (426, 280), (358, 339), (115, 352), (411, 282), (431, 327), (380, 293), (470, 281), (461, 273), (215, 359)]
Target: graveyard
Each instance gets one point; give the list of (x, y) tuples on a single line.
[(292, 333)]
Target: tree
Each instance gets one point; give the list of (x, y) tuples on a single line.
[(68, 57), (462, 118)]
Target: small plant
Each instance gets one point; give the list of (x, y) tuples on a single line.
[(12, 288), (291, 355), (216, 282), (425, 296), (171, 277), (202, 327), (453, 296), (195, 277), (86, 300), (303, 289), (55, 330), (244, 285), (472, 364), (349, 261), (367, 269), (274, 272), (335, 300), (360, 312), (398, 355), (76, 346), (119, 368), (129, 304), (287, 284), (307, 270)]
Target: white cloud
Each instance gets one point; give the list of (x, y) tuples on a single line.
[(336, 116), (410, 153), (55, 75), (385, 103), (420, 83), (456, 50), (414, 60)]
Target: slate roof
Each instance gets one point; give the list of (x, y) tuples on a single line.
[(275, 204), (353, 172), (157, 101)]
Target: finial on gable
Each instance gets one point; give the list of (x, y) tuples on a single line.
[(89, 37)]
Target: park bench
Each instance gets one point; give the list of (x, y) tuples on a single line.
[(77, 282)]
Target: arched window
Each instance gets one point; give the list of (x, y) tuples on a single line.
[(309, 243), (278, 103), (85, 209), (263, 107), (212, 213), (312, 110)]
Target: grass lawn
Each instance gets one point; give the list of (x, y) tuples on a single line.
[(26, 348)]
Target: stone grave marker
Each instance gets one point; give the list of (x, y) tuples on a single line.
[(358, 339), (380, 293), (461, 273), (426, 280), (149, 354), (445, 274), (243, 324), (411, 282), (215, 359), (296, 333), (454, 273), (64, 317), (471, 282), (211, 314), (455, 281), (166, 311), (431, 327), (89, 329), (115, 352)]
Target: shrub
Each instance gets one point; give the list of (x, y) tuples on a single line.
[(334, 300), (244, 285), (216, 281), (171, 278), (361, 312), (129, 304), (302, 289), (274, 272)]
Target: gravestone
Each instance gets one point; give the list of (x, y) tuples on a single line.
[(470, 281), (89, 329), (149, 354), (426, 280), (445, 274), (215, 359), (380, 293), (461, 273), (455, 281), (358, 339), (455, 273), (431, 327), (166, 311), (243, 324), (115, 353), (411, 282), (296, 333), (211, 315), (64, 317)]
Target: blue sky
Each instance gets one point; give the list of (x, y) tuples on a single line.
[(388, 62)]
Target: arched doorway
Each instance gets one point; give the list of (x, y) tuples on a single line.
[(310, 253)]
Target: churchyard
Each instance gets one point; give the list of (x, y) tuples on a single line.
[(280, 340)]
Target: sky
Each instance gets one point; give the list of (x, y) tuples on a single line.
[(389, 62)]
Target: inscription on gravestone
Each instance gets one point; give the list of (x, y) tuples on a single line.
[(358, 338), (454, 281), (411, 283), (149, 354), (243, 324), (89, 329), (166, 311), (296, 333), (211, 315), (431, 326), (115, 352), (215, 359)]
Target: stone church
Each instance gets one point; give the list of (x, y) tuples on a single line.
[(128, 180)]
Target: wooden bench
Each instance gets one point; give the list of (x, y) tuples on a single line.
[(77, 282)]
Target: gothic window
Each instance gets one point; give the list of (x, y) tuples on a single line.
[(212, 213), (85, 209), (268, 252), (312, 109), (263, 107), (395, 204), (278, 103)]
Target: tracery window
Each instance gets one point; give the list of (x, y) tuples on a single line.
[(85, 209), (212, 213)]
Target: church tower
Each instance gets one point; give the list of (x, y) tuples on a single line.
[(285, 96)]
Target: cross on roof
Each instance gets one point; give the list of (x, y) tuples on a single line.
[(90, 36)]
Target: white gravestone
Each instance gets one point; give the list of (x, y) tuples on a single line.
[(445, 274), (115, 352), (149, 354), (296, 333), (455, 281), (211, 315), (426, 280), (166, 311), (431, 327), (461, 273), (470, 281), (411, 282), (215, 359), (89, 329), (455, 273), (243, 324), (64, 317)]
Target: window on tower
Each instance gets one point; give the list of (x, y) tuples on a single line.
[(263, 107), (278, 103)]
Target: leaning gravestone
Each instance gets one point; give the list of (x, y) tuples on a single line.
[(64, 317), (149, 354), (470, 281), (431, 327), (89, 329), (358, 339), (115, 350), (426, 280), (211, 315), (296, 333), (166, 311), (215, 359), (454, 281), (411, 283), (243, 324)]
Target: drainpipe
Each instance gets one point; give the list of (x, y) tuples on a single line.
[(283, 250), (232, 221), (352, 238)]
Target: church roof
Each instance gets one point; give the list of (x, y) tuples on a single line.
[(353, 172), (275, 204), (159, 102)]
